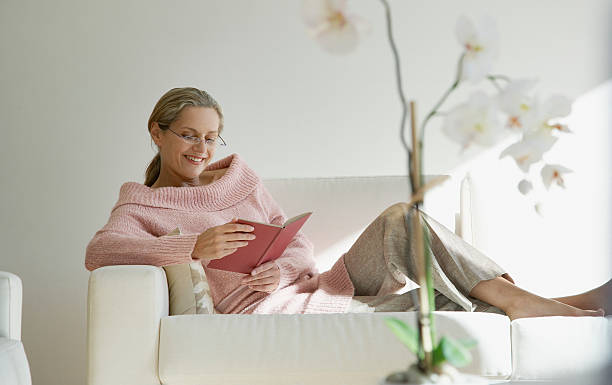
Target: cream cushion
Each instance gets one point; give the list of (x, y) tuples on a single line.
[(323, 348), (548, 348), (188, 288)]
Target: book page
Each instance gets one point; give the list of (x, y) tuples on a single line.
[(296, 218), (261, 223), (287, 222)]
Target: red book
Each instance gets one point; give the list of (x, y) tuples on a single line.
[(270, 242)]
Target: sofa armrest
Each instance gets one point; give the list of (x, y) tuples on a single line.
[(11, 294), (124, 306), (463, 219)]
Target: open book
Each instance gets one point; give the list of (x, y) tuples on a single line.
[(270, 242)]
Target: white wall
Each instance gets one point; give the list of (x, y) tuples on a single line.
[(78, 80)]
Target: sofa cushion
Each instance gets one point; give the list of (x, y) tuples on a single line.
[(180, 289), (549, 348), (325, 348), (14, 367), (188, 290)]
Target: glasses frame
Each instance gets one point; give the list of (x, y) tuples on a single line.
[(223, 143)]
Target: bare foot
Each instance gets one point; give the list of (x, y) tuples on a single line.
[(520, 303), (536, 306), (600, 297)]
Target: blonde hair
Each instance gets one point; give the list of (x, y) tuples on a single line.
[(167, 110)]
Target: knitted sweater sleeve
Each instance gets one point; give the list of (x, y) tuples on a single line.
[(125, 241), (298, 258)]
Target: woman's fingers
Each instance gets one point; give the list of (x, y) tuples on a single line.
[(265, 277), (235, 244), (260, 281), (229, 237), (227, 252), (263, 267), (263, 271)]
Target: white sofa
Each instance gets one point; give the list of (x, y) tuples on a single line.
[(14, 367), (132, 340)]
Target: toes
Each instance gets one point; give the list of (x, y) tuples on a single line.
[(595, 313)]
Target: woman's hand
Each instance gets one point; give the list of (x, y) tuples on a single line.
[(219, 241), (264, 277)]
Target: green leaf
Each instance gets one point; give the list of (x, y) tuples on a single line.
[(406, 334), (468, 343), (454, 352), (429, 278), (438, 356)]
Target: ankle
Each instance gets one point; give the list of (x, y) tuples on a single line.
[(499, 292)]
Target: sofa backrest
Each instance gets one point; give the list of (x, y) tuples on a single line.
[(344, 206)]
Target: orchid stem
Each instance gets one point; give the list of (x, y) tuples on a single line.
[(444, 97), (493, 80), (500, 77), (434, 110), (425, 317), (400, 90)]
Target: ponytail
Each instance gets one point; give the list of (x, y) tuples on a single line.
[(153, 170)]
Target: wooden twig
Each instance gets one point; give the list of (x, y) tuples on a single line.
[(417, 231), (419, 195)]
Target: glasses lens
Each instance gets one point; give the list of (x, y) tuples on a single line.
[(209, 142), (191, 139), (218, 141)]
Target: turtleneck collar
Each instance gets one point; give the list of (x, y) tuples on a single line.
[(235, 185)]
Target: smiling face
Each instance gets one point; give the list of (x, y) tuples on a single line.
[(176, 168)]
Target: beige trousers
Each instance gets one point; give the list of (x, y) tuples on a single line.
[(383, 257)]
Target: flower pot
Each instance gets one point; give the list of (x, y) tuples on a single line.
[(446, 374)]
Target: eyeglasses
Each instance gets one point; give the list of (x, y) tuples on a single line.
[(196, 139)]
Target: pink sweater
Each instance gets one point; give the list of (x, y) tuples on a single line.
[(136, 235)]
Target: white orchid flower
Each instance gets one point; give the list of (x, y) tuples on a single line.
[(525, 186), (480, 42), (475, 121), (515, 101), (555, 107), (330, 24), (539, 208), (553, 173), (529, 150)]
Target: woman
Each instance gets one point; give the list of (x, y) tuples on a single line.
[(184, 189)]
